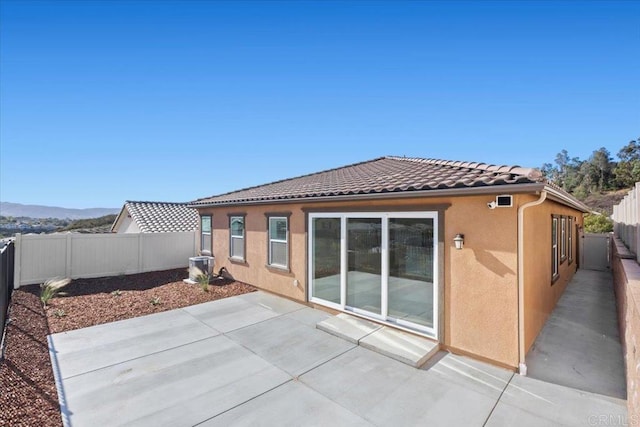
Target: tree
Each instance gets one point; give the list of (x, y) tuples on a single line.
[(565, 173), (627, 171)]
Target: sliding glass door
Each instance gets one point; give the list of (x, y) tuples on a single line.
[(364, 266), (410, 282), (378, 265), (326, 259)]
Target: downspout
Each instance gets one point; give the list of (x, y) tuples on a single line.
[(522, 366)]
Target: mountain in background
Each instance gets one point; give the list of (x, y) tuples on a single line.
[(36, 211)]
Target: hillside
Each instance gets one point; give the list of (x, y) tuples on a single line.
[(8, 209), (604, 202), (92, 225)]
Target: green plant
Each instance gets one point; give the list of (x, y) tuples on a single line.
[(155, 301), (116, 293), (201, 277), (597, 223), (51, 288), (58, 312)]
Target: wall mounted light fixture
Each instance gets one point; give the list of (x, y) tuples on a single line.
[(459, 241)]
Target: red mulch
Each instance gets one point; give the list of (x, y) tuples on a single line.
[(28, 395)]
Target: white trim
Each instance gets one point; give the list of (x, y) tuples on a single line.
[(202, 249), (383, 316), (238, 237), (270, 241), (384, 268), (521, 351), (563, 238)]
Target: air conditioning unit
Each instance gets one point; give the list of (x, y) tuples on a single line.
[(202, 263)]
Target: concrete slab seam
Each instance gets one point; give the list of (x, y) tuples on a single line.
[(140, 357), (198, 320), (253, 324), (242, 403), (297, 377), (498, 400)]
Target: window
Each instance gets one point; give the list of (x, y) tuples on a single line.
[(206, 247), (278, 242), (236, 244), (554, 249), (570, 238), (563, 239)]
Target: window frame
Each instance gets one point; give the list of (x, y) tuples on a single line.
[(570, 239), (563, 239), (208, 251), (270, 241), (555, 252), (232, 256)]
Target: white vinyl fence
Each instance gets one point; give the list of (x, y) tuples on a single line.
[(626, 220), (39, 257)]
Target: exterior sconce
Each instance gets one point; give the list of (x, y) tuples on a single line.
[(459, 241)]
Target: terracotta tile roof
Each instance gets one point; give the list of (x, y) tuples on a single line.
[(162, 217), (382, 175)]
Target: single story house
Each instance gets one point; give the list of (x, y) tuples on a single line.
[(474, 256), (155, 217)]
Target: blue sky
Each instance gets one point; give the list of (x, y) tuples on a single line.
[(102, 102)]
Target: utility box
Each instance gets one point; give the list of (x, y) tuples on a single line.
[(202, 263)]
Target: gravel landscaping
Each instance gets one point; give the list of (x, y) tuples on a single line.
[(28, 395)]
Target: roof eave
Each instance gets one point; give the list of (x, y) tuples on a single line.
[(566, 199), (118, 218), (461, 191)]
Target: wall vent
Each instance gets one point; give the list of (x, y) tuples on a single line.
[(504, 201)]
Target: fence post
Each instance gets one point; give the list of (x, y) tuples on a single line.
[(17, 260), (140, 253), (67, 268)]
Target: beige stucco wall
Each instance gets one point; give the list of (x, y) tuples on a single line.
[(481, 293), (254, 270), (540, 295), (479, 282)]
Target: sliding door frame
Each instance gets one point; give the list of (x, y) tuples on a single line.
[(383, 317)]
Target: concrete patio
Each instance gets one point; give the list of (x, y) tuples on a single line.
[(579, 346), (258, 359)]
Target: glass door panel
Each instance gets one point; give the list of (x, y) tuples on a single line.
[(326, 259), (364, 263), (410, 282)]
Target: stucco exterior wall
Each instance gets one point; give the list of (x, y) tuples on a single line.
[(254, 270), (540, 293), (481, 302), (479, 287)]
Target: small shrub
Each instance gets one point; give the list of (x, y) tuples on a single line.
[(201, 277), (58, 312), (51, 288), (116, 293), (155, 301)]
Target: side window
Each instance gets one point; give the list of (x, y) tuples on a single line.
[(278, 242), (563, 238), (570, 239), (555, 256), (237, 243), (206, 243)]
